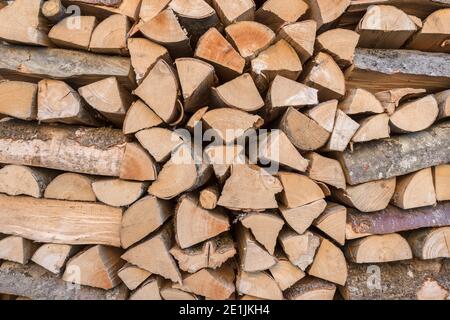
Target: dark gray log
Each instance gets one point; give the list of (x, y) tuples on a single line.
[(396, 156)]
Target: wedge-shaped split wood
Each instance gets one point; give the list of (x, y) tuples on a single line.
[(357, 101), (298, 190), (137, 164), (333, 222), (53, 257), (17, 249), (372, 128), (285, 273), (139, 116), (300, 248), (240, 10), (326, 170), (105, 8), (324, 114), (326, 12), (430, 243), (390, 99), (159, 142), (343, 132), (222, 157), (258, 284), (142, 218), (170, 292), (110, 35), (149, 290), (275, 13), (301, 218), (18, 99), (209, 196), (311, 288), (96, 267), (265, 227), (53, 10), (301, 36), (376, 249), (150, 9), (65, 33), (117, 192), (340, 44), (20, 180), (441, 177)]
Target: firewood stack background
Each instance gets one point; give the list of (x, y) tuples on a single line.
[(101, 102)]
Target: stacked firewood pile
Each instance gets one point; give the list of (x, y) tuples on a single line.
[(218, 149)]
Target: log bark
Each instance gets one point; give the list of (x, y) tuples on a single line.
[(311, 288)]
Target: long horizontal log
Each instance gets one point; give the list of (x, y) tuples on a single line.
[(405, 280), (56, 221), (379, 70), (398, 155), (76, 67), (36, 283)]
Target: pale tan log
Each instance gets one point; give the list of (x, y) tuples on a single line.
[(250, 188), (240, 93), (357, 101), (142, 218), (53, 10), (105, 8), (139, 116), (340, 44), (222, 157), (301, 36), (196, 80), (276, 148), (323, 74), (301, 218), (367, 197), (329, 263), (325, 12), (415, 190), (300, 248), (298, 190), (20, 180), (96, 267), (215, 49), (21, 22), (344, 130), (302, 131), (239, 10), (385, 27), (153, 254), (165, 29), (278, 59), (258, 284), (137, 164), (53, 257), (149, 290), (276, 13), (441, 176), (284, 93), (17, 249), (430, 243), (51, 221), (416, 115), (333, 222), (159, 142), (159, 90), (390, 99), (108, 97), (58, 102), (326, 170), (285, 273), (144, 54), (434, 34), (18, 99), (73, 32), (265, 227), (311, 288), (372, 128), (117, 192), (110, 35), (150, 8), (170, 292), (209, 196), (324, 114), (443, 99), (375, 249), (249, 38)]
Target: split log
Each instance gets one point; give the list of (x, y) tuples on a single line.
[(443, 99), (385, 27), (258, 284), (285, 273), (298, 190), (150, 9), (429, 281), (208, 197), (153, 254), (139, 116), (53, 10), (73, 32), (159, 142), (53, 257), (72, 187), (390, 99), (49, 221), (265, 228), (149, 290), (311, 288), (343, 132), (300, 248), (18, 99), (301, 218), (378, 70), (278, 59), (415, 190), (441, 177), (105, 8), (222, 157), (20, 180), (108, 97), (326, 12), (117, 192), (367, 197), (372, 128), (430, 243), (142, 218), (340, 44), (302, 131), (249, 188), (215, 49), (21, 22), (169, 292), (241, 10), (58, 102), (275, 13), (325, 170), (333, 222), (324, 114), (28, 63), (196, 80), (249, 38), (95, 267), (301, 36), (386, 158), (39, 284), (357, 101), (378, 248), (240, 93), (17, 249)]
